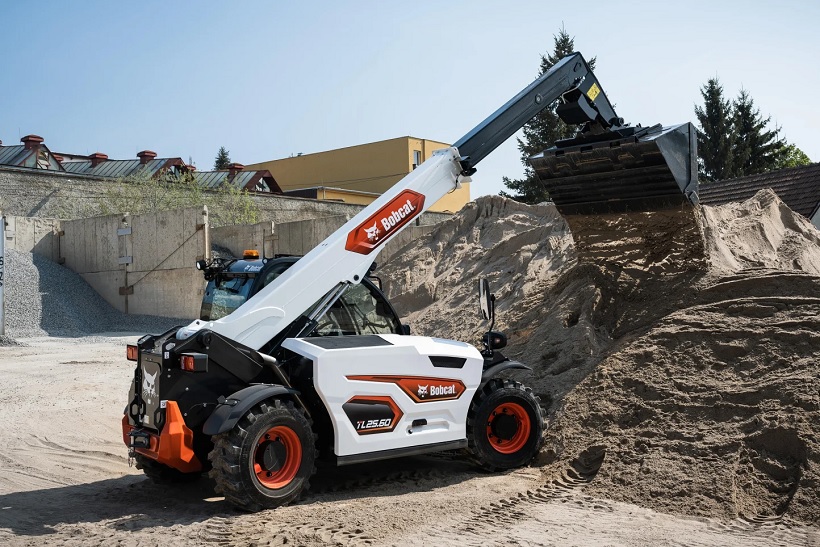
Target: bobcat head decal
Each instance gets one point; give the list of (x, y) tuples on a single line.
[(372, 233), (423, 390), (149, 381)]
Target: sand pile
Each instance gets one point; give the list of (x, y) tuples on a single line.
[(698, 384)]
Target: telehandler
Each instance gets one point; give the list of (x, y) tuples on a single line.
[(313, 361)]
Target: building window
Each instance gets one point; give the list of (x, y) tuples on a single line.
[(416, 158)]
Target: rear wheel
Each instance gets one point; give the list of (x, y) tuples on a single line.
[(161, 473), (267, 459), (505, 425)]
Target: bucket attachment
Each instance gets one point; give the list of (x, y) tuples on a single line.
[(627, 169)]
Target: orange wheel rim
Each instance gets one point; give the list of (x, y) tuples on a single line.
[(508, 428), (277, 457)]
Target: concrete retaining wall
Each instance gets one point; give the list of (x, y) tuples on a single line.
[(141, 264), (34, 235), (239, 238), (145, 263)]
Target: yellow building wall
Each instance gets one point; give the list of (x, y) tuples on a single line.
[(373, 167), (347, 196)]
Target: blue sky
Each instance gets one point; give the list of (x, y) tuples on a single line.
[(271, 79)]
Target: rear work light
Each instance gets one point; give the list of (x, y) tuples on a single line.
[(194, 362), (132, 353)]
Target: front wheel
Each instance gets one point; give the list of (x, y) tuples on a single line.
[(505, 425), (267, 459)]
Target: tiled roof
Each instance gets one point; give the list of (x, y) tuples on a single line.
[(798, 187)]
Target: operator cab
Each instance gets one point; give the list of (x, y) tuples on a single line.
[(362, 309)]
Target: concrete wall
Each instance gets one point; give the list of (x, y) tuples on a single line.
[(34, 235), (40, 193), (141, 264), (161, 278), (237, 239), (50, 194)]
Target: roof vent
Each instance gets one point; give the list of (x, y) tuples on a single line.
[(145, 156), (32, 142), (233, 169), (97, 158)]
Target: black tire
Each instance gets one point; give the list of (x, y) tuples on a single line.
[(161, 473), (505, 425), (267, 459)]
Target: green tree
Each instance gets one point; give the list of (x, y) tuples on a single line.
[(716, 135), (223, 159), (792, 157), (543, 130), (757, 149)]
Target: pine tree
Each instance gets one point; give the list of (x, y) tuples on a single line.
[(716, 135), (542, 131), (757, 150), (223, 159)]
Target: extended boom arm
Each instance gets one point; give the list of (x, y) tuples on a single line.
[(570, 79), (346, 255)]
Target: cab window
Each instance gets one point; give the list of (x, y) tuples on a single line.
[(224, 295), (368, 312), (359, 311)]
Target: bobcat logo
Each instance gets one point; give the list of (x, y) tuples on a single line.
[(423, 390), (149, 384), (372, 233)]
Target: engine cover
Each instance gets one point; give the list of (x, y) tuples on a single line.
[(390, 392)]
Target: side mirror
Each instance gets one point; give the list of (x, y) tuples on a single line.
[(485, 300)]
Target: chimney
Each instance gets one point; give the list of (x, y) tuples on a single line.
[(233, 169), (97, 158), (32, 142), (58, 157), (145, 156)]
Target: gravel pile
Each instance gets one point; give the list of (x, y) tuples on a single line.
[(218, 251), (44, 298), (7, 341)]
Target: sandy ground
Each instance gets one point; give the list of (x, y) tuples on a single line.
[(65, 480)]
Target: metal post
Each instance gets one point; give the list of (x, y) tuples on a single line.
[(2, 274)]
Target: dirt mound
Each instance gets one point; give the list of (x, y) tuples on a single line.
[(715, 410), (761, 232), (694, 369)]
